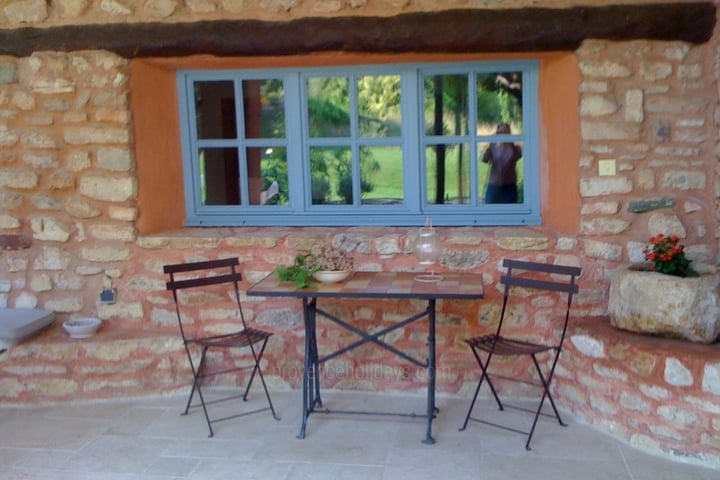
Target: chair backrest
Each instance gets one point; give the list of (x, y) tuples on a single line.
[(540, 276), (203, 274)]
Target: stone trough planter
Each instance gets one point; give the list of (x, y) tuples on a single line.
[(644, 301)]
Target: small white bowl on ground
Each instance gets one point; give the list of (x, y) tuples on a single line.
[(82, 327)]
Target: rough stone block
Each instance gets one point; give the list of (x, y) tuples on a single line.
[(115, 7), (650, 302), (676, 415), (81, 208), (597, 249), (711, 378), (634, 106), (112, 231), (116, 159), (9, 222), (605, 226), (50, 229), (588, 346), (106, 254), (684, 180), (65, 305), (8, 72), (513, 239), (641, 206), (26, 11), (603, 186), (95, 134), (71, 8), (52, 387), (108, 187), (126, 310), (609, 131), (17, 178), (604, 68)]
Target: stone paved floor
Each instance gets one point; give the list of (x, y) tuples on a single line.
[(147, 439)]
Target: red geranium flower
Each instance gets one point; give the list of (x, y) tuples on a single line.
[(668, 256)]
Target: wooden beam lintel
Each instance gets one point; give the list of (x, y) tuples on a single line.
[(452, 31)]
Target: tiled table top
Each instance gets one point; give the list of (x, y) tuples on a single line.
[(454, 285)]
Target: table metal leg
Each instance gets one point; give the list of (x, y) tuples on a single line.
[(306, 370), (311, 370), (431, 372), (311, 374)]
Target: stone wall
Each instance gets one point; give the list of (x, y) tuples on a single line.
[(68, 207), (661, 395), (651, 108), (19, 13)]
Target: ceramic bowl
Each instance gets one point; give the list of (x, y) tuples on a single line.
[(82, 327), (331, 276)]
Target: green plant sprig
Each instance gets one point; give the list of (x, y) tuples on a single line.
[(299, 272)]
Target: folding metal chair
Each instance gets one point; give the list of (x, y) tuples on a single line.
[(215, 279), (531, 276)]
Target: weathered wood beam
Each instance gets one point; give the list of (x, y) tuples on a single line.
[(453, 31)]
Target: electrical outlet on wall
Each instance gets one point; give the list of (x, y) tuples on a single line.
[(606, 167), (108, 295)]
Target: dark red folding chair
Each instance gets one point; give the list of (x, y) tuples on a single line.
[(217, 279), (528, 276)]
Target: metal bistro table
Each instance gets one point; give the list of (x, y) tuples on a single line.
[(387, 285)]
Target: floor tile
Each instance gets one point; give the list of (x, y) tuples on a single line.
[(148, 439)]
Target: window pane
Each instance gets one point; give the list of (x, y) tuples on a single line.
[(499, 101), (328, 107), (500, 172), (268, 174), (331, 175), (264, 104), (219, 176), (381, 175), (446, 105), (379, 106), (215, 109), (448, 174)]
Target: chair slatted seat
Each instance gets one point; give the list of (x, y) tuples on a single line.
[(223, 277), (559, 279)]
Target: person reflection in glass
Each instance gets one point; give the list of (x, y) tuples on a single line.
[(502, 158)]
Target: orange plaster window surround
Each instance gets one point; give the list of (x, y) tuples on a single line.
[(161, 198)]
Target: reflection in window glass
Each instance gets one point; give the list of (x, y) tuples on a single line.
[(381, 175), (499, 99), (264, 104), (379, 106), (446, 105), (268, 176), (447, 174), (500, 172), (219, 176), (331, 176), (215, 109), (328, 107)]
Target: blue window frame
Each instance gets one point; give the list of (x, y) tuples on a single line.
[(362, 145)]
